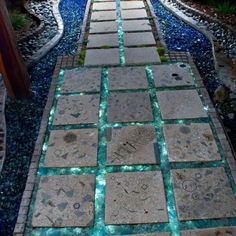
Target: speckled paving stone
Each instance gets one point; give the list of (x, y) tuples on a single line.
[(203, 194), (103, 27), (135, 197), (125, 107), (102, 40), (136, 25), (104, 6), (180, 104), (225, 231), (64, 201), (141, 55), (131, 145), (127, 78), (133, 14), (135, 39), (172, 75), (102, 57), (77, 110), (72, 148), (103, 15), (193, 142), (81, 80), (131, 4)]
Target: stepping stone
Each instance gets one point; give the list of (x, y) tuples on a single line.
[(103, 27), (103, 15), (180, 104), (135, 39), (132, 145), (77, 110), (65, 201), (102, 40), (224, 231), (135, 198), (131, 4), (141, 55), (194, 142), (102, 57), (133, 14), (127, 78), (104, 6), (81, 80), (129, 107), (203, 193), (172, 75), (136, 25), (72, 148)]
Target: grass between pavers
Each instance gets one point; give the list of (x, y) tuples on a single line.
[(82, 57)]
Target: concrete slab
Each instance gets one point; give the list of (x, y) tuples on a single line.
[(136, 25), (102, 57), (97, 6), (72, 148), (203, 193), (102, 40), (131, 4), (172, 75), (127, 78), (103, 27), (194, 142), (103, 15), (219, 231), (131, 145), (180, 104), (135, 39), (133, 14), (77, 110), (81, 80), (129, 107), (64, 201), (144, 55), (135, 197)]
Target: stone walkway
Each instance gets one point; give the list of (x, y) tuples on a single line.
[(130, 149)]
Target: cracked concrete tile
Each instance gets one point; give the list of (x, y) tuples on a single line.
[(131, 4), (72, 148), (77, 110), (180, 104), (125, 107), (103, 15), (194, 142), (140, 38), (127, 78), (135, 198), (102, 40), (103, 27), (131, 145), (133, 14), (81, 80), (104, 6), (136, 25), (64, 201), (172, 75), (221, 231), (203, 193)]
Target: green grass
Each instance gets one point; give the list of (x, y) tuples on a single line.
[(163, 59), (105, 46), (225, 8), (81, 57), (18, 20), (161, 51)]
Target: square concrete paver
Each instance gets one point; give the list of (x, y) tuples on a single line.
[(143, 38), (131, 145), (135, 198), (141, 55), (103, 15), (128, 107), (127, 78), (72, 148), (102, 57), (104, 6), (77, 110), (81, 80), (224, 231), (180, 104), (131, 4), (193, 142), (102, 40), (136, 25), (172, 75), (133, 14), (64, 201), (203, 194), (103, 27)]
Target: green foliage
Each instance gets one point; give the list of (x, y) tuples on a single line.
[(105, 46), (18, 20), (225, 8), (163, 59), (81, 57), (161, 51)]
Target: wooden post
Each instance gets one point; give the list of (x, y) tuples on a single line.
[(12, 68)]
